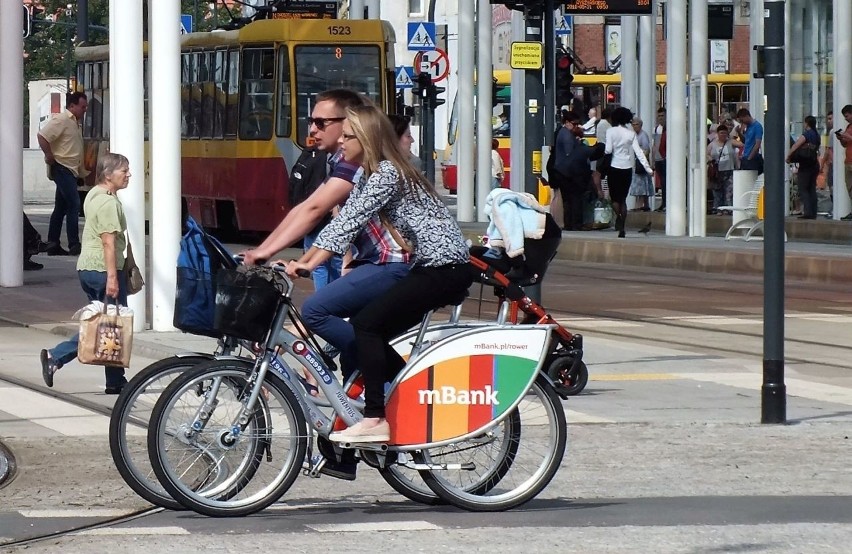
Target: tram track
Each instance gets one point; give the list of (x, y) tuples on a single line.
[(117, 520)]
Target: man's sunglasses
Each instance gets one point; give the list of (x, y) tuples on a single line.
[(321, 122)]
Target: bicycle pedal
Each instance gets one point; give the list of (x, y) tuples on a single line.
[(313, 466)]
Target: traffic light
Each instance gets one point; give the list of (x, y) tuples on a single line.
[(434, 91), (564, 78), (421, 85)]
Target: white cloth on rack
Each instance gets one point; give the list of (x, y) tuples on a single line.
[(514, 216)]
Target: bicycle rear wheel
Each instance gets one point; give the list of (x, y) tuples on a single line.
[(210, 470), (520, 461), (129, 423)]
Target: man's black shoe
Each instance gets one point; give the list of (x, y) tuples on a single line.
[(55, 249), (847, 217), (30, 265), (113, 390), (75, 250)]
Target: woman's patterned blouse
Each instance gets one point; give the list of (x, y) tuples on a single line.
[(423, 220)]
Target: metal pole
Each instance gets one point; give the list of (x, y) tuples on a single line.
[(484, 106), (374, 9), (165, 182), (675, 116), (629, 70), (842, 96), (699, 54), (68, 59), (648, 71), (756, 96), (774, 392), (11, 144), (356, 9), (534, 124), (517, 158), (465, 142), (82, 22)]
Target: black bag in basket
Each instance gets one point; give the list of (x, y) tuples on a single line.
[(246, 300)]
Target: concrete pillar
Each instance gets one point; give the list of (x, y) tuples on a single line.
[(356, 9), (126, 129), (675, 116), (629, 68), (483, 106), (466, 145), (842, 97), (647, 107), (11, 144), (699, 54), (164, 148)]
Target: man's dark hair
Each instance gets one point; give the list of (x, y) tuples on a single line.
[(661, 110), (722, 128), (569, 117), (74, 98), (400, 123), (846, 109), (745, 113), (343, 97), (621, 116), (606, 114)]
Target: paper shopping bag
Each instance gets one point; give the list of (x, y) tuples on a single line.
[(106, 339)]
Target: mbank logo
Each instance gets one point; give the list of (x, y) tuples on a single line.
[(450, 395)]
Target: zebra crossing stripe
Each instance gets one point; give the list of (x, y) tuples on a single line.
[(65, 418)]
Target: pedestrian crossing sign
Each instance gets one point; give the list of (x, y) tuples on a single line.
[(421, 36), (404, 77), (564, 25)]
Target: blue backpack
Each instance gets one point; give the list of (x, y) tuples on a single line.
[(201, 257)]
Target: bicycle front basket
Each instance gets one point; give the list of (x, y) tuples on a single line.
[(246, 301)]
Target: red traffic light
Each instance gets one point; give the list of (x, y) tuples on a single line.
[(563, 61)]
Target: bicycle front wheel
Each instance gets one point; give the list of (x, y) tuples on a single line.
[(210, 468), (129, 423), (507, 465)]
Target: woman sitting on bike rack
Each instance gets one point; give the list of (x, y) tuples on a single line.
[(411, 209)]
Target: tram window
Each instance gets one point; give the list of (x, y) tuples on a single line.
[(284, 94), (208, 93), (713, 110), (194, 122), (734, 98), (258, 87), (84, 78), (232, 86), (502, 105), (95, 95), (220, 68), (319, 68)]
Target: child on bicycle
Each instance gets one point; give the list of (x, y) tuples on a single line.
[(409, 206)]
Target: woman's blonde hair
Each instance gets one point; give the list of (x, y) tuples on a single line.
[(108, 163), (380, 142)]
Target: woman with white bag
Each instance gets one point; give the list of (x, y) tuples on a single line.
[(100, 266)]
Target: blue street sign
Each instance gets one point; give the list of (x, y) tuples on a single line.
[(404, 77), (565, 26), (421, 36), (185, 23)]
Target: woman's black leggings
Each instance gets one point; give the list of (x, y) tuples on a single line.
[(399, 309)]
